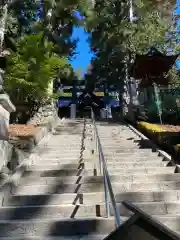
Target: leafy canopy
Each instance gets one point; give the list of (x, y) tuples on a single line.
[(32, 68), (115, 39)]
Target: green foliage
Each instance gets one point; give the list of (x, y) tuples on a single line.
[(174, 75), (61, 20), (32, 68), (115, 40), (57, 20), (26, 13), (42, 56)]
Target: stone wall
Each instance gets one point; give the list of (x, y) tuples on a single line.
[(46, 114), (14, 151), (10, 158)]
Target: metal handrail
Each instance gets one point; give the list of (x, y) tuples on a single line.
[(106, 178)]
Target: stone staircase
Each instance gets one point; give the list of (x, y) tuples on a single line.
[(140, 175), (61, 194)]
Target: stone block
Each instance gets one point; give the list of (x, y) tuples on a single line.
[(4, 124), (170, 195), (5, 154), (6, 103)]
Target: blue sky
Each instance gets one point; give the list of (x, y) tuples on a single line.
[(178, 8), (84, 55)]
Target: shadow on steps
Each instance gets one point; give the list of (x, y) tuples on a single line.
[(21, 223)]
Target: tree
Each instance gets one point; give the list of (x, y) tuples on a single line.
[(115, 40), (55, 18), (31, 69), (26, 14), (58, 18)]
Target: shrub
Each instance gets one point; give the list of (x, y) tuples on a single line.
[(31, 70)]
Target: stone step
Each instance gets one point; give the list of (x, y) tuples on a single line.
[(119, 142), (55, 139), (90, 236), (141, 158), (54, 199), (64, 145), (131, 164), (82, 211), (65, 150), (60, 212), (115, 132), (56, 159), (73, 125), (118, 158), (50, 228), (66, 128), (44, 171), (62, 151), (63, 142), (139, 178), (123, 143), (93, 187), (92, 160), (52, 212), (138, 152), (68, 132), (62, 148), (114, 148), (66, 159), (74, 133), (119, 152), (170, 221), (60, 154), (119, 137), (90, 165), (155, 208), (89, 198)]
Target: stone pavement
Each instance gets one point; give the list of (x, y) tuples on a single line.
[(61, 193)]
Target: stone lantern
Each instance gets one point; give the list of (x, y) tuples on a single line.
[(6, 106)]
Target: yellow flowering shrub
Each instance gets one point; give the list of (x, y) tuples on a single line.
[(153, 130), (151, 127), (166, 135)]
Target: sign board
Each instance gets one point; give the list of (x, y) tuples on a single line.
[(98, 94)]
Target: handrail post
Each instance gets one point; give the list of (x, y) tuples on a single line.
[(106, 195), (92, 117), (100, 165)]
